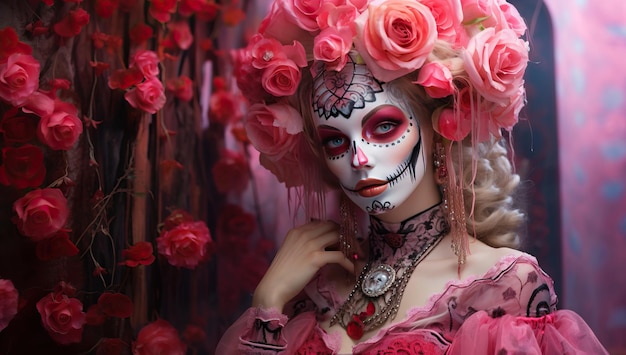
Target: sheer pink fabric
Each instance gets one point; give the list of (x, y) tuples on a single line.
[(512, 308), (561, 332)]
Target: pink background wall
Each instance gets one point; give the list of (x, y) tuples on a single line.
[(590, 52)]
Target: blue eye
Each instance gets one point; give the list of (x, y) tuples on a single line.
[(384, 127), (335, 142)]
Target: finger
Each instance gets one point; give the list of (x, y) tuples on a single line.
[(336, 257), (327, 239)]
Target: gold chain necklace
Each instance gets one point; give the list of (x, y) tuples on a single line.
[(377, 294)]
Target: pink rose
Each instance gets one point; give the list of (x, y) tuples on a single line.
[(507, 116), (286, 169), (267, 63), (436, 79), (448, 16), (395, 37), (480, 14), (41, 213), (62, 317), (148, 96), (304, 12), (39, 103), (512, 18), (282, 78), (337, 16), (186, 245), (273, 129), (8, 302), (61, 129), (159, 337), (360, 5), (332, 46), (146, 61), (495, 63), (279, 25), (19, 78)]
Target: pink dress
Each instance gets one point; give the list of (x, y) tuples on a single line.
[(511, 309)]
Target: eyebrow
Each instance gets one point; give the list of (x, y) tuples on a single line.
[(375, 111)]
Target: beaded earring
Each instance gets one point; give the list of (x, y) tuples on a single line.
[(453, 201)]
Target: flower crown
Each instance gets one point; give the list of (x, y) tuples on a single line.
[(483, 79)]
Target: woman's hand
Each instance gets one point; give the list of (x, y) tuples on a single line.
[(302, 254)]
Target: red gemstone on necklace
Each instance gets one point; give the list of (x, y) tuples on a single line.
[(355, 328), (394, 240)]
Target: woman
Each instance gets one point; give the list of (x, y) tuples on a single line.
[(399, 106)]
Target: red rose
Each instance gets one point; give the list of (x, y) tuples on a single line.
[(56, 246), (105, 8), (125, 78), (139, 254), (22, 167), (224, 107), (148, 96), (41, 213), (140, 33), (8, 302), (161, 10), (62, 317), (19, 78), (72, 24), (10, 43), (194, 334), (61, 129), (233, 221), (158, 337), (18, 127), (111, 346), (115, 305), (180, 35), (176, 218), (182, 87), (186, 245), (231, 173)]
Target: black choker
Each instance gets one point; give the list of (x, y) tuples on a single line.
[(395, 251)]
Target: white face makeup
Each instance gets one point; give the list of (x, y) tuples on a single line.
[(372, 143)]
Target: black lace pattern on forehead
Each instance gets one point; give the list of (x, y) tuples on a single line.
[(338, 93)]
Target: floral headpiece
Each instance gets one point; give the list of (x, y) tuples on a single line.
[(483, 81)]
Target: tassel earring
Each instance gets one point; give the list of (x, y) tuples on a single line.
[(453, 201), (348, 229)]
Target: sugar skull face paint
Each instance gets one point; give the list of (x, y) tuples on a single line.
[(373, 146)]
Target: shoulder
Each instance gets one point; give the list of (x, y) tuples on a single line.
[(483, 258)]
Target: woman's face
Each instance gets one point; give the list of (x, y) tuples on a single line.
[(371, 140)]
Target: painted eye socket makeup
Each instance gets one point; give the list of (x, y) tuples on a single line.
[(385, 125), (333, 141)]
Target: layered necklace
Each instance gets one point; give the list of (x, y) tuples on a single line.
[(395, 251)]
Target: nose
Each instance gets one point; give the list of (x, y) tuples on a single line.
[(359, 159)]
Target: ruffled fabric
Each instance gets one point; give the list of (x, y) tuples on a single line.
[(561, 332), (511, 309)]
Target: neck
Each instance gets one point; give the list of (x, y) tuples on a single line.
[(398, 243)]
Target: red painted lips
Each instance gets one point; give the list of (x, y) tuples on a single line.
[(370, 187)]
